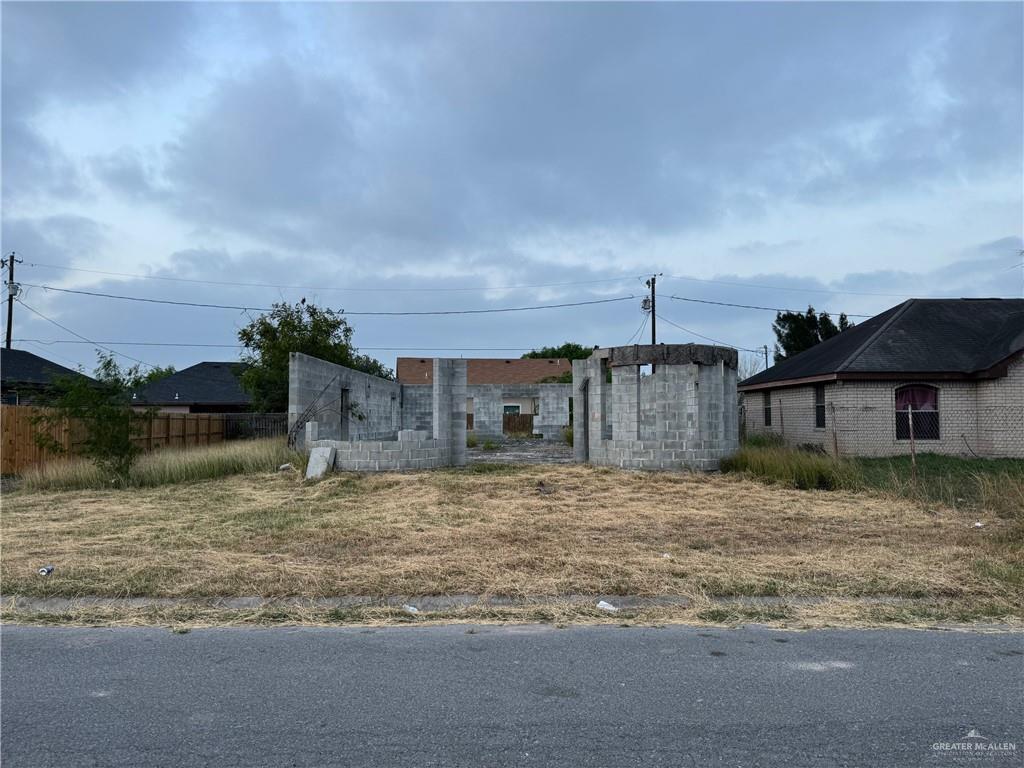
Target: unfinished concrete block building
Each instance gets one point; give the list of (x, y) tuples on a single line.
[(665, 406), (375, 424)]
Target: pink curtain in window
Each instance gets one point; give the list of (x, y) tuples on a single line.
[(920, 398)]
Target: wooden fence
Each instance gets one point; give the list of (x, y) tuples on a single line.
[(517, 423), (19, 451)]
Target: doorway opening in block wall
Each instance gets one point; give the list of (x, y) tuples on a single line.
[(345, 414)]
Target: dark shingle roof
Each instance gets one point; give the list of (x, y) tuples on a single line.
[(20, 367), (203, 383), (962, 337)]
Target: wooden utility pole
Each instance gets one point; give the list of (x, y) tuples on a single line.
[(652, 283), (12, 291), (766, 357)]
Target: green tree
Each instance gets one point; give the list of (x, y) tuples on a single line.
[(796, 332), (287, 328), (157, 373), (569, 351), (102, 409)]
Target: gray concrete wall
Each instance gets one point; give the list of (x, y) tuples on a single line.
[(553, 416), (387, 455), (488, 412), (377, 424), (450, 407), (346, 404), (418, 407), (581, 408), (684, 414)]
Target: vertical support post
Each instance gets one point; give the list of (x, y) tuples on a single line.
[(913, 452), (835, 436)]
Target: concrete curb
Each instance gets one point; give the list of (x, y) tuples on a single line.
[(422, 602)]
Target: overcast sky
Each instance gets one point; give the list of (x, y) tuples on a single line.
[(815, 153)]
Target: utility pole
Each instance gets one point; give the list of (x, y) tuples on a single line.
[(12, 291), (652, 284), (766, 357)]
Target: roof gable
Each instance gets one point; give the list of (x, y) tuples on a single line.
[(959, 337), (207, 383), (19, 367)]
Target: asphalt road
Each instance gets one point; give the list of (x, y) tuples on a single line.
[(512, 696)]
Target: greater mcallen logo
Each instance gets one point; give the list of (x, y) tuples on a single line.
[(974, 743)]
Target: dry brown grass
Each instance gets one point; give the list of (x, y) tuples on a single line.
[(594, 531)]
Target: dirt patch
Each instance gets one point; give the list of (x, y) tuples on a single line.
[(518, 451)]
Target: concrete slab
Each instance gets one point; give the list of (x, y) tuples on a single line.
[(321, 461)]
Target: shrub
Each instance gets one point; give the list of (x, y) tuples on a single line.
[(764, 440), (103, 408), (489, 445), (567, 435), (471, 439), (797, 469)]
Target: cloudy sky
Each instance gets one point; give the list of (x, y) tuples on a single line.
[(437, 157)]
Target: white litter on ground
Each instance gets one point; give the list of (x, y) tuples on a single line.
[(410, 609), (604, 606)]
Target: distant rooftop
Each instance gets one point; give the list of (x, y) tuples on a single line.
[(420, 370), (951, 338), (209, 383), (19, 367)]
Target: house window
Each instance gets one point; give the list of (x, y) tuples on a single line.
[(767, 408), (511, 410), (819, 406), (923, 402)]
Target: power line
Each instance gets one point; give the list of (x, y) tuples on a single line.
[(83, 338), (345, 312), (707, 338), (752, 306), (240, 346), (639, 331), (477, 289)]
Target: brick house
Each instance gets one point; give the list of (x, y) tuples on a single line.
[(945, 374)]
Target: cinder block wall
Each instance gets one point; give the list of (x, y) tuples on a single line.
[(418, 407), (374, 404), (682, 415), (487, 411), (450, 406), (553, 416)]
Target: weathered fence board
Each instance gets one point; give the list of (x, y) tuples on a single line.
[(517, 423), (162, 430)]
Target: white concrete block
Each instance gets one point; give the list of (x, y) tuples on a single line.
[(321, 461)]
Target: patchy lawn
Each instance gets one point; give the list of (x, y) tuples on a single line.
[(542, 532)]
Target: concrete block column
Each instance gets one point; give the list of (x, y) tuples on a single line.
[(457, 421), (580, 408)]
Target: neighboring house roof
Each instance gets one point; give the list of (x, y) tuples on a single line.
[(934, 338), (420, 370), (208, 383), (21, 368)]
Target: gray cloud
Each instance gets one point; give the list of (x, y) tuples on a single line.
[(443, 141)]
